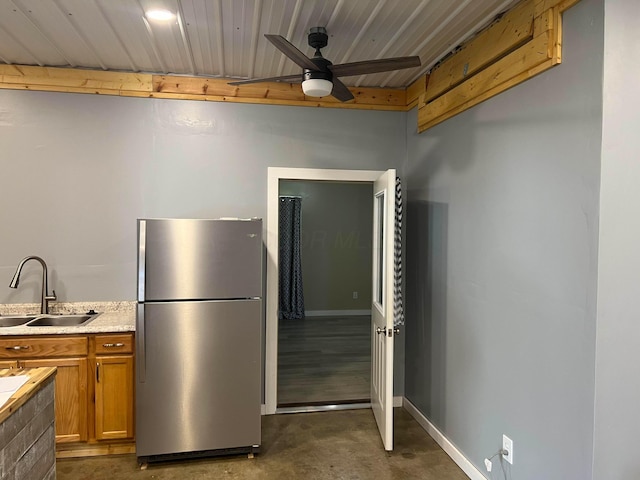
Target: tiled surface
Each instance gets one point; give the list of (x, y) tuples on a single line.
[(27, 439)]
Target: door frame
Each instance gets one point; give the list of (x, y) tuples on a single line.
[(274, 175)]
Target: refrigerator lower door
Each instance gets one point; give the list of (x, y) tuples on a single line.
[(198, 376)]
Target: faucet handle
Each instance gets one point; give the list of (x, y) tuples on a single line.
[(53, 297)]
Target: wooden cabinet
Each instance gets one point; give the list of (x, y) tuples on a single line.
[(94, 392), (113, 386), (15, 348), (68, 354), (71, 396)]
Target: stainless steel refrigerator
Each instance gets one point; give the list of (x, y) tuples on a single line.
[(198, 338)]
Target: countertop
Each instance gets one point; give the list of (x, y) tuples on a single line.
[(114, 317), (37, 379)]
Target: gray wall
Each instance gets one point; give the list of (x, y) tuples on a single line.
[(77, 170), (337, 230), (502, 237), (502, 231), (617, 417)]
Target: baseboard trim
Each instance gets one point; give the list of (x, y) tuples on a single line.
[(336, 313), (450, 449), (76, 450)]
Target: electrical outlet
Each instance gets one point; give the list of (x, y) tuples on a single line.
[(507, 444), (355, 295)]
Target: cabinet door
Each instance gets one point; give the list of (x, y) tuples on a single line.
[(71, 396), (114, 397)]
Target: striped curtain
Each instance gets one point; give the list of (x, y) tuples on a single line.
[(290, 297), (398, 308)]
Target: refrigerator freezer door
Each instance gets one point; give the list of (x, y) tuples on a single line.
[(184, 259), (201, 389)]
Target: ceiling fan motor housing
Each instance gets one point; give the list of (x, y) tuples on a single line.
[(318, 37), (322, 72)]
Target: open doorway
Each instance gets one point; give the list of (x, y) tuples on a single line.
[(384, 370), (324, 358)]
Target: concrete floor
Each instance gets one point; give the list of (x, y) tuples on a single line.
[(318, 446)]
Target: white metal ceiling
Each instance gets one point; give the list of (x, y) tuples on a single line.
[(224, 38)]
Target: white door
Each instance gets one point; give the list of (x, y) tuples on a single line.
[(382, 305)]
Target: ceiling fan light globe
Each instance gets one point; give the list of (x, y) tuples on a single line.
[(317, 87)]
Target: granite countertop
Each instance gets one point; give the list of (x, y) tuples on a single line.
[(114, 317)]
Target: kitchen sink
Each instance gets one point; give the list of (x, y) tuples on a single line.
[(70, 320), (15, 320)]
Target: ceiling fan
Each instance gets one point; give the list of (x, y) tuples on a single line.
[(319, 76)]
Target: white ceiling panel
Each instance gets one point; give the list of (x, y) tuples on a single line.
[(225, 38)]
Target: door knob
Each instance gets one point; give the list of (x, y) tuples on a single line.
[(381, 330)]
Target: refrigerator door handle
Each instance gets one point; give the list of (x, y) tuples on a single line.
[(142, 245), (141, 366)]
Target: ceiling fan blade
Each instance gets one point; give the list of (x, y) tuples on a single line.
[(374, 66), (291, 51), (340, 91), (286, 79)]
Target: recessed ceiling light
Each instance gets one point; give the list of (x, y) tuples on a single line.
[(160, 15)]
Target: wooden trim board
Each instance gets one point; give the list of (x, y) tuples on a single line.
[(524, 42), (514, 29), (125, 84), (416, 91), (532, 46), (94, 449), (496, 78)]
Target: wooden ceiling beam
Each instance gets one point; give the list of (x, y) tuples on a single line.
[(514, 29), (523, 43), (32, 78), (73, 80), (416, 92)]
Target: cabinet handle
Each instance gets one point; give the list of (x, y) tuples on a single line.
[(112, 345), (19, 347), (98, 372)]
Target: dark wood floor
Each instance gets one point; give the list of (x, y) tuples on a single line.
[(324, 360)]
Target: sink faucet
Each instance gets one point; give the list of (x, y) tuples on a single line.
[(45, 298)]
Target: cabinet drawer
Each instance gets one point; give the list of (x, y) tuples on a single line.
[(114, 343), (55, 346)]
